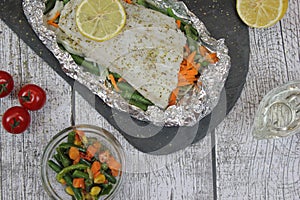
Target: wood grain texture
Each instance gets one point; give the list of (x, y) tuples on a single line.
[(266, 169), (21, 154), (186, 174)]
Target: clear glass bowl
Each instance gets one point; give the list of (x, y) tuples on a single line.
[(55, 189)]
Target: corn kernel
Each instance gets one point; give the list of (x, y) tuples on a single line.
[(100, 178), (69, 191), (95, 191), (62, 181)]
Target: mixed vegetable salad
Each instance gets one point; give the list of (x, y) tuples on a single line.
[(196, 57), (85, 167)]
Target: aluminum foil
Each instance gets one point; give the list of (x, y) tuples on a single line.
[(188, 111)]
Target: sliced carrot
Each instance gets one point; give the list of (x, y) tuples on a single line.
[(52, 20), (96, 166), (212, 58), (128, 1), (113, 82), (191, 57), (78, 183), (203, 50), (74, 153), (173, 97)]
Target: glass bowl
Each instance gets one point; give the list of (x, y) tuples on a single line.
[(55, 189)]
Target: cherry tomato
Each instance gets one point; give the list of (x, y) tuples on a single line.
[(6, 83), (16, 120), (32, 97)]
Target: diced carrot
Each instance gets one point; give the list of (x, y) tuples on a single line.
[(96, 166), (113, 82), (128, 1), (91, 151), (114, 165), (74, 153), (178, 23), (78, 183)]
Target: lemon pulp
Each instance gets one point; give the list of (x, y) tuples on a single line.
[(261, 13), (100, 20)]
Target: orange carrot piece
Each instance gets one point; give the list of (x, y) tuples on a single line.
[(191, 57), (113, 82), (51, 21), (212, 58), (78, 183), (203, 50), (96, 166), (178, 23), (128, 1), (74, 153), (173, 97), (114, 165)]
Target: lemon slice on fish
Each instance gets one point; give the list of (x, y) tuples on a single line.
[(100, 20), (261, 13)]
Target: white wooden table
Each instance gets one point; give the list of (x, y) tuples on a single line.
[(227, 164)]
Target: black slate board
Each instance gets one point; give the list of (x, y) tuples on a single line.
[(221, 21)]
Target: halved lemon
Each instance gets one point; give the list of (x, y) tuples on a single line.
[(261, 13), (100, 20)]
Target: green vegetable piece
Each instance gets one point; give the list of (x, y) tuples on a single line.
[(66, 170), (67, 145), (54, 166), (106, 190), (88, 66), (71, 137), (104, 166), (80, 174), (77, 191), (65, 161), (85, 162), (109, 177)]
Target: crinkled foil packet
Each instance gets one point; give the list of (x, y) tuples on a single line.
[(188, 111)]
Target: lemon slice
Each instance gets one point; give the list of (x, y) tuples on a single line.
[(100, 20), (261, 13)]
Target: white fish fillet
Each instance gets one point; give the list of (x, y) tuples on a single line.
[(147, 53)]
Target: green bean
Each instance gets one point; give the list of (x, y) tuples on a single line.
[(88, 66), (71, 137), (128, 92), (106, 190), (80, 174), (67, 145), (69, 181), (85, 162), (109, 177), (49, 5), (54, 166), (65, 161), (70, 168), (104, 166)]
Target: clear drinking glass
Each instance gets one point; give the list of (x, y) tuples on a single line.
[(278, 114)]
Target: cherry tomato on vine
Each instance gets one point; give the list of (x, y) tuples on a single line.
[(32, 97), (6, 83), (16, 120)]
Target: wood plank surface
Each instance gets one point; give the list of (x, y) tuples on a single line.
[(20, 155), (266, 169), (245, 168)]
